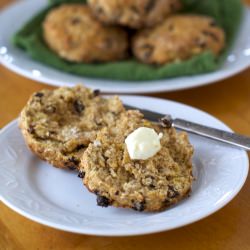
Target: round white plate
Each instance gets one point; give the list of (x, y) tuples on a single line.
[(18, 61), (57, 198)]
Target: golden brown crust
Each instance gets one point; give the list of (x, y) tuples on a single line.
[(179, 37), (59, 124), (75, 35), (144, 185), (133, 13)]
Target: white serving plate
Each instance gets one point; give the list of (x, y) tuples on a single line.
[(57, 198), (19, 62)]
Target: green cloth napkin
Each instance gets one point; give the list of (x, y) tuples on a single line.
[(227, 14)]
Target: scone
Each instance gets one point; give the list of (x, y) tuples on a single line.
[(178, 38), (75, 35), (145, 185), (58, 125), (133, 13)]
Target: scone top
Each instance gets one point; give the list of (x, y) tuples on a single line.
[(135, 14)]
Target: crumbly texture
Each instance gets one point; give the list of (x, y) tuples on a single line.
[(179, 37), (133, 13), (59, 124), (144, 185), (75, 35)]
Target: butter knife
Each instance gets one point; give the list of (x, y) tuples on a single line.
[(167, 121)]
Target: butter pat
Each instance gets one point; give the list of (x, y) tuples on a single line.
[(143, 143)]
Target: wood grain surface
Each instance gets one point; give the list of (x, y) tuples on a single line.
[(229, 228)]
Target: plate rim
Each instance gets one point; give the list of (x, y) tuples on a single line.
[(125, 87), (139, 232)]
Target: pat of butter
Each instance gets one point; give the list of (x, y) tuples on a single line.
[(143, 143)]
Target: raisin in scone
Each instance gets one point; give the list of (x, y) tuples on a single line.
[(179, 37), (58, 125), (75, 35), (133, 13), (145, 185)]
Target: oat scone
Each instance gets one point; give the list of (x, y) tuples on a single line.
[(58, 125), (179, 37), (133, 13), (144, 185), (75, 35)]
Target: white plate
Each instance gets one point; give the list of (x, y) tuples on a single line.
[(21, 63), (57, 198)]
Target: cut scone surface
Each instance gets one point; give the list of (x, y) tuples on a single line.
[(59, 124), (149, 185)]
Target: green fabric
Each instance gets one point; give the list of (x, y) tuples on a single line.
[(227, 13)]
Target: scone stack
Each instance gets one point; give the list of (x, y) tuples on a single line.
[(111, 30), (124, 159)]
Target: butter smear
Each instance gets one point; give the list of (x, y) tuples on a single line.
[(143, 143)]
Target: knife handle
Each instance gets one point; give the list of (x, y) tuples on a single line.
[(213, 133)]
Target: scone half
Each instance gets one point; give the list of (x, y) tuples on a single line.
[(59, 124), (144, 185)]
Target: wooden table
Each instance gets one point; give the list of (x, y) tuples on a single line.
[(229, 100)]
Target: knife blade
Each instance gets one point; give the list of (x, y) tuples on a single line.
[(231, 138)]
